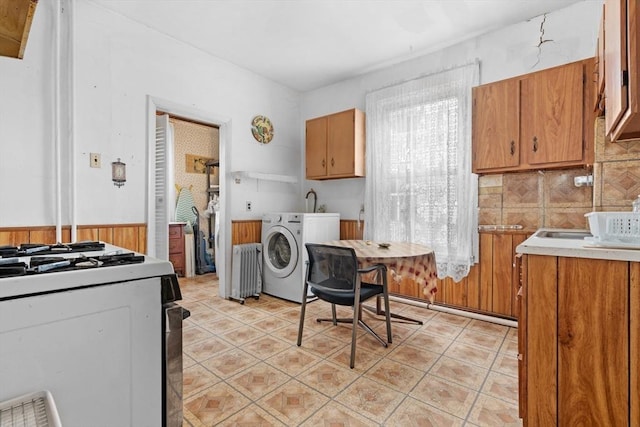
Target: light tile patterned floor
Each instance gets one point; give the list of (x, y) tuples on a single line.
[(242, 367)]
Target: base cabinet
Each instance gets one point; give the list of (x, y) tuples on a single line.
[(492, 284), (577, 343)]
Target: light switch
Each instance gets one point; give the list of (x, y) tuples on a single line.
[(94, 160)]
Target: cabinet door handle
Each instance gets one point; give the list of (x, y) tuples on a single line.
[(512, 150), (332, 162), (535, 144), (323, 163)]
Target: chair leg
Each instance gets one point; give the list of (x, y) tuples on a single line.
[(386, 309), (333, 314), (303, 308), (334, 319), (368, 328), (354, 332)]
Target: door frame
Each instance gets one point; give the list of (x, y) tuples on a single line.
[(155, 104)]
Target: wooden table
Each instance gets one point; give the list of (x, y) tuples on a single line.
[(403, 260)]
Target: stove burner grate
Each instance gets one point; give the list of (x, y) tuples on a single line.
[(10, 267)]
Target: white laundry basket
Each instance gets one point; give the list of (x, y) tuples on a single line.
[(615, 227), (36, 409)]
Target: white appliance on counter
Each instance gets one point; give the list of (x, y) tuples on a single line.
[(283, 238), (100, 331)]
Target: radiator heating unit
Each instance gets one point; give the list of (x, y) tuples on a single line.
[(246, 271)]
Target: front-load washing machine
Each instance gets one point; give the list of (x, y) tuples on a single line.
[(283, 238)]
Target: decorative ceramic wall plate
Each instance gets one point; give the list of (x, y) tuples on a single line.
[(262, 129)]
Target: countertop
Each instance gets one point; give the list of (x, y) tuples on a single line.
[(575, 248)]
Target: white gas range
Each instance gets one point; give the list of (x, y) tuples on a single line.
[(92, 326)]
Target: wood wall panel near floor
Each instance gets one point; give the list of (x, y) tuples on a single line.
[(250, 231), (492, 283), (489, 288), (349, 229), (128, 236), (246, 231), (13, 236), (463, 294)]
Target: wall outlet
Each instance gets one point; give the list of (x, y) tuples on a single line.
[(248, 207), (94, 160)]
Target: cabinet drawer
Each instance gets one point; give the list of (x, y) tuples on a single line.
[(176, 246), (177, 261), (175, 231), (178, 264)]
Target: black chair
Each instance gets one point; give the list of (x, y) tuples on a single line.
[(333, 275)]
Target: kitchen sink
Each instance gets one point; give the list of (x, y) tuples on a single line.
[(564, 234)]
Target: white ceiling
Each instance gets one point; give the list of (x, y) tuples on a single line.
[(307, 44)]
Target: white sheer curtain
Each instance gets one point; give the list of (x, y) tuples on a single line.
[(419, 185)]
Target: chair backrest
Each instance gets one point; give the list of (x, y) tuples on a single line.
[(333, 268)]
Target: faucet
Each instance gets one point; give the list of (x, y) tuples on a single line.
[(315, 198)]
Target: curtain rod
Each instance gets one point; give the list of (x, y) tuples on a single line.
[(421, 76)]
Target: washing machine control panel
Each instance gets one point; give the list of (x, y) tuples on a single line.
[(294, 219), (271, 219)]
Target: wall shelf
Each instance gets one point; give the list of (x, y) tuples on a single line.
[(238, 175)]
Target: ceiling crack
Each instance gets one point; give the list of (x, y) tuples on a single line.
[(542, 39)]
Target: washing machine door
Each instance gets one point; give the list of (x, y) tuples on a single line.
[(280, 251)]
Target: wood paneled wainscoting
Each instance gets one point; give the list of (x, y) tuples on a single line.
[(246, 231), (351, 230), (490, 288), (492, 284), (128, 236), (250, 231)]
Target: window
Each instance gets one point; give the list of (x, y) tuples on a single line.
[(419, 182)]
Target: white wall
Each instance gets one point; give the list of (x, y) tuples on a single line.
[(26, 129), (504, 53), (117, 64)]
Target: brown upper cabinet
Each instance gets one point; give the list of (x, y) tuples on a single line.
[(335, 146), (536, 121), (622, 69), (15, 24), (496, 125), (599, 70)]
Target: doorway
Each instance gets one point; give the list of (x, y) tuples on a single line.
[(195, 147), (157, 224)]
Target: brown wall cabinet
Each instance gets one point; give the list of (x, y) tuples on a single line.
[(622, 69), (578, 341), (598, 80), (176, 248), (15, 24), (536, 121), (496, 125), (335, 146)]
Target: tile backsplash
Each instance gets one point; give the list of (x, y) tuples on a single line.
[(616, 172), (535, 199), (550, 198)]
